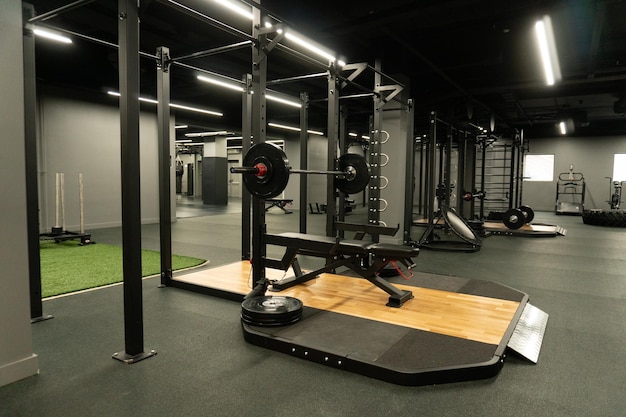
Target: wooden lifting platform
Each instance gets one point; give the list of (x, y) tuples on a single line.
[(454, 329)]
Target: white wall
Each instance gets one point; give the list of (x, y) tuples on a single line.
[(81, 136), (17, 359), (591, 156)]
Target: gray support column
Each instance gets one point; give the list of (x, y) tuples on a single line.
[(304, 154), (30, 147), (246, 134), (215, 171), (17, 360), (333, 134), (259, 125), (128, 27), (165, 163)]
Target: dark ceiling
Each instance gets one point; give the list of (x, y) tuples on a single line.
[(452, 55)]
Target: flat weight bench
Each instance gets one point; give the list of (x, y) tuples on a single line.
[(278, 202), (354, 254)]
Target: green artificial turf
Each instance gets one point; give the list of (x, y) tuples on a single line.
[(68, 266)]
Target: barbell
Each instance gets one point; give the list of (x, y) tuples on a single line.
[(476, 194), (266, 171)]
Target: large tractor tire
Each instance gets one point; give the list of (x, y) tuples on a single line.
[(609, 218)]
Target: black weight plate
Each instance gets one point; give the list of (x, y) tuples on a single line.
[(360, 173), (529, 213), (271, 310), (275, 180), (514, 219)]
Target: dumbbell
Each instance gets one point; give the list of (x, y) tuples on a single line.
[(516, 217)]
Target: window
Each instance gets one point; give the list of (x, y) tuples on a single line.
[(539, 168), (619, 167)]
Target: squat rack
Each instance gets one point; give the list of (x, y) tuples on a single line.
[(253, 126)]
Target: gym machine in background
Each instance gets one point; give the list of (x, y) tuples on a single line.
[(570, 193)]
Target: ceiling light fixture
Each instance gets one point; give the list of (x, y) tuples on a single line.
[(563, 128), (310, 46), (176, 106), (240, 10), (181, 127), (282, 100), (240, 89), (51, 35), (295, 129), (205, 134), (547, 50), (220, 83)]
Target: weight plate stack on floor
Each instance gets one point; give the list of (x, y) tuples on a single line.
[(271, 310)]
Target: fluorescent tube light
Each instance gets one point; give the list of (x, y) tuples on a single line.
[(197, 110), (240, 10), (205, 134), (282, 100), (181, 127), (176, 106), (563, 128), (308, 45), (354, 135), (148, 100), (51, 35), (184, 141), (295, 129), (240, 89), (547, 50), (220, 83)]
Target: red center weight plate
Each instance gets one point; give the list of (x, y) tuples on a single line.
[(275, 180)]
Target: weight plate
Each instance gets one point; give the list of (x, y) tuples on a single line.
[(514, 219), (271, 310), (359, 173), (275, 180), (529, 214)]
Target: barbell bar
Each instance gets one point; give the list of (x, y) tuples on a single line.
[(266, 171), (467, 196)]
